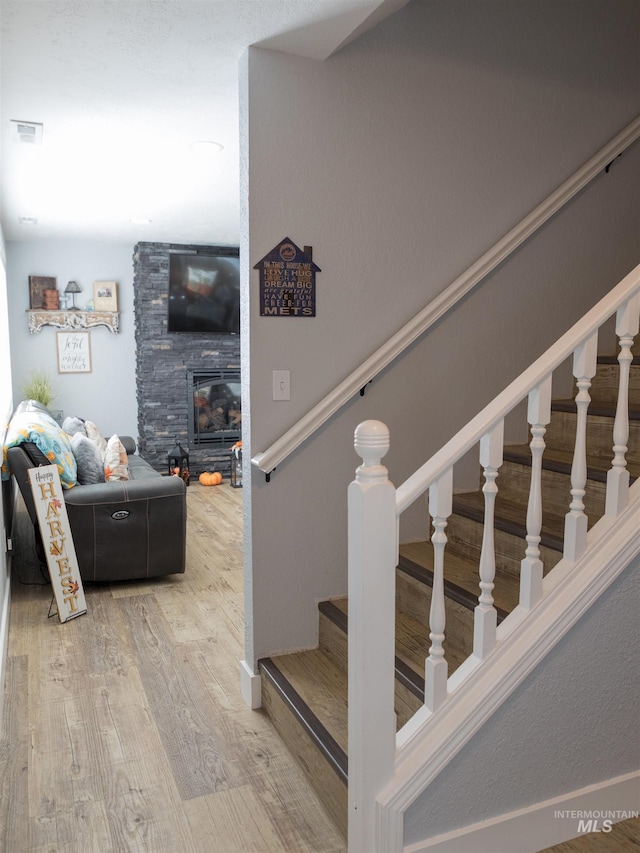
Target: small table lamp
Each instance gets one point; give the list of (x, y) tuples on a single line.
[(73, 287)]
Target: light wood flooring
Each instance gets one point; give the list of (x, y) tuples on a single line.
[(125, 729)]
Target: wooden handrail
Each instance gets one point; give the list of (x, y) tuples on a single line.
[(267, 460)]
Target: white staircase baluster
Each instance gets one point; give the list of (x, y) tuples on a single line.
[(627, 321), (585, 361), (435, 677), (373, 555), (538, 416), (485, 615)]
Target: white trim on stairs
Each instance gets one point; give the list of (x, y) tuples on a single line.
[(538, 826), (423, 751), (250, 686)]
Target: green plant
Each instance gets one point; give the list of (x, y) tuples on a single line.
[(38, 386)]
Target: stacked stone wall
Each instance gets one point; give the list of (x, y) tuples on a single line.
[(163, 359)]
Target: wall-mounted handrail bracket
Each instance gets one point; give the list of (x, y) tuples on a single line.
[(364, 387), (607, 168)]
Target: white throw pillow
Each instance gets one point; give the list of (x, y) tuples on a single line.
[(116, 466), (94, 434)]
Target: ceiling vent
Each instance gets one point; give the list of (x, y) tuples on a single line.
[(28, 132)]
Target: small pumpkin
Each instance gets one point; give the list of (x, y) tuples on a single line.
[(210, 478)]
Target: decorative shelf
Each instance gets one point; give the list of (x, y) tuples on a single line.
[(73, 320)]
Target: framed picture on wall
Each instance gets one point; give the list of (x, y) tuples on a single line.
[(105, 296), (74, 352), (37, 286)]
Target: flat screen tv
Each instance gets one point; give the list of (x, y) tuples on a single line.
[(204, 292)]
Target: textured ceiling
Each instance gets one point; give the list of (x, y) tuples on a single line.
[(122, 88)]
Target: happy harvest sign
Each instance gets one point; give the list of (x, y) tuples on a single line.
[(58, 542), (287, 281)]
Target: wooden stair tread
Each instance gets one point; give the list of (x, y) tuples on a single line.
[(322, 759), (409, 678), (321, 686), (613, 359), (462, 580), (342, 605), (560, 461), (510, 517), (336, 754), (555, 459), (598, 409), (412, 644)]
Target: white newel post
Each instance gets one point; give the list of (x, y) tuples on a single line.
[(585, 361), (435, 668), (531, 571), (372, 565), (485, 615), (627, 322)]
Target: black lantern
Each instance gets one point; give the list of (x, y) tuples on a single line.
[(236, 466), (178, 460)]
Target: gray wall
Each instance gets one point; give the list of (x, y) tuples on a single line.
[(400, 160), (549, 740), (107, 394)]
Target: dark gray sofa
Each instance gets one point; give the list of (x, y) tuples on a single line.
[(122, 530)]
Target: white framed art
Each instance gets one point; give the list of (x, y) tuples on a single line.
[(74, 352), (105, 296)]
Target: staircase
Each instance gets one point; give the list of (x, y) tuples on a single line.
[(305, 693)]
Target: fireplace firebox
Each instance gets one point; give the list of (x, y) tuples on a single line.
[(214, 407)]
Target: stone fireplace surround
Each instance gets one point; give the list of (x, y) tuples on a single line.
[(163, 359)]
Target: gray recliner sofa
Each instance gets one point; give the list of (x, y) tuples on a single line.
[(122, 530)]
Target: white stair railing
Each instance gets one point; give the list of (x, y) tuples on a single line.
[(531, 568), (618, 476), (435, 673), (485, 620), (372, 620), (575, 528)]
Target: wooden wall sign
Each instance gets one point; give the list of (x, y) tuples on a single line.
[(58, 542), (288, 281)]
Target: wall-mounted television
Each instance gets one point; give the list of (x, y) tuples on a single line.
[(204, 291)]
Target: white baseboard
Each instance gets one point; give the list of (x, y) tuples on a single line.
[(250, 686), (592, 809)]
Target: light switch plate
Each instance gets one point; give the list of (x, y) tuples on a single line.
[(281, 385)]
